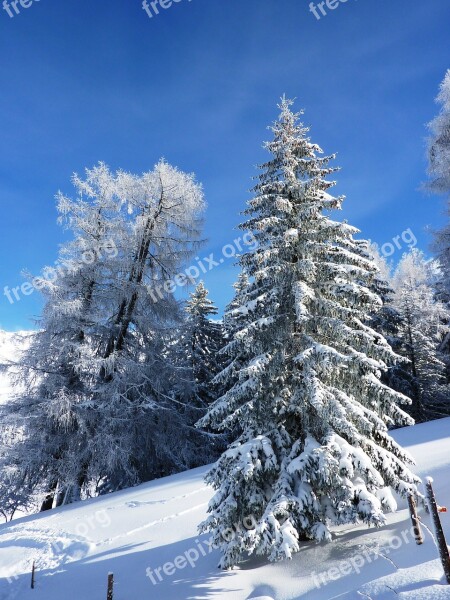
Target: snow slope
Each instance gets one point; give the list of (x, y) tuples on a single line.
[(154, 524)]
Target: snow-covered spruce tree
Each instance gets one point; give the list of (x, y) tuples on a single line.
[(234, 354), (314, 448), (202, 341), (196, 351), (423, 327), (231, 318)]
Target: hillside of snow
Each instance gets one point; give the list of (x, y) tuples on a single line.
[(147, 537)]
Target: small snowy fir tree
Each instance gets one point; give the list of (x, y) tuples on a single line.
[(203, 341), (233, 353), (423, 327), (232, 318), (313, 448), (196, 351)]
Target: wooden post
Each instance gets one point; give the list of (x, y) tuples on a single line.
[(415, 520), (33, 569), (110, 586), (440, 537)]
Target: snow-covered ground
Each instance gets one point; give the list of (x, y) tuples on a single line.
[(153, 526)]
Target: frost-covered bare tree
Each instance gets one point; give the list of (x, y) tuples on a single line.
[(439, 142), (439, 182), (16, 490), (314, 448), (98, 413), (133, 372)]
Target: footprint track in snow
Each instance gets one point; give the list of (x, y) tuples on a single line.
[(152, 523), (139, 504)]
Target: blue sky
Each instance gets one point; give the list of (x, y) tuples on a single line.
[(89, 80)]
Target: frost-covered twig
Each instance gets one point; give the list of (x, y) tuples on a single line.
[(365, 595), (392, 589)]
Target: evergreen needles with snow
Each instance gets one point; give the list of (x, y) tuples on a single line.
[(196, 352), (304, 392), (203, 342)]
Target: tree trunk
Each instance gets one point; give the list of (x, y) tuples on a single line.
[(61, 497), (47, 504), (127, 307)]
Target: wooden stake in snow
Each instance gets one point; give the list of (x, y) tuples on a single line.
[(110, 586), (33, 569), (440, 537), (415, 520)]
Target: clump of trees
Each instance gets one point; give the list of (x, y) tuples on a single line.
[(323, 349), (416, 322), (100, 410)]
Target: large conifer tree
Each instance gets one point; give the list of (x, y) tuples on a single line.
[(314, 448)]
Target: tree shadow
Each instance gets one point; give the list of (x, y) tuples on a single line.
[(86, 578)]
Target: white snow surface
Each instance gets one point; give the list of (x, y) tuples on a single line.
[(149, 526)]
